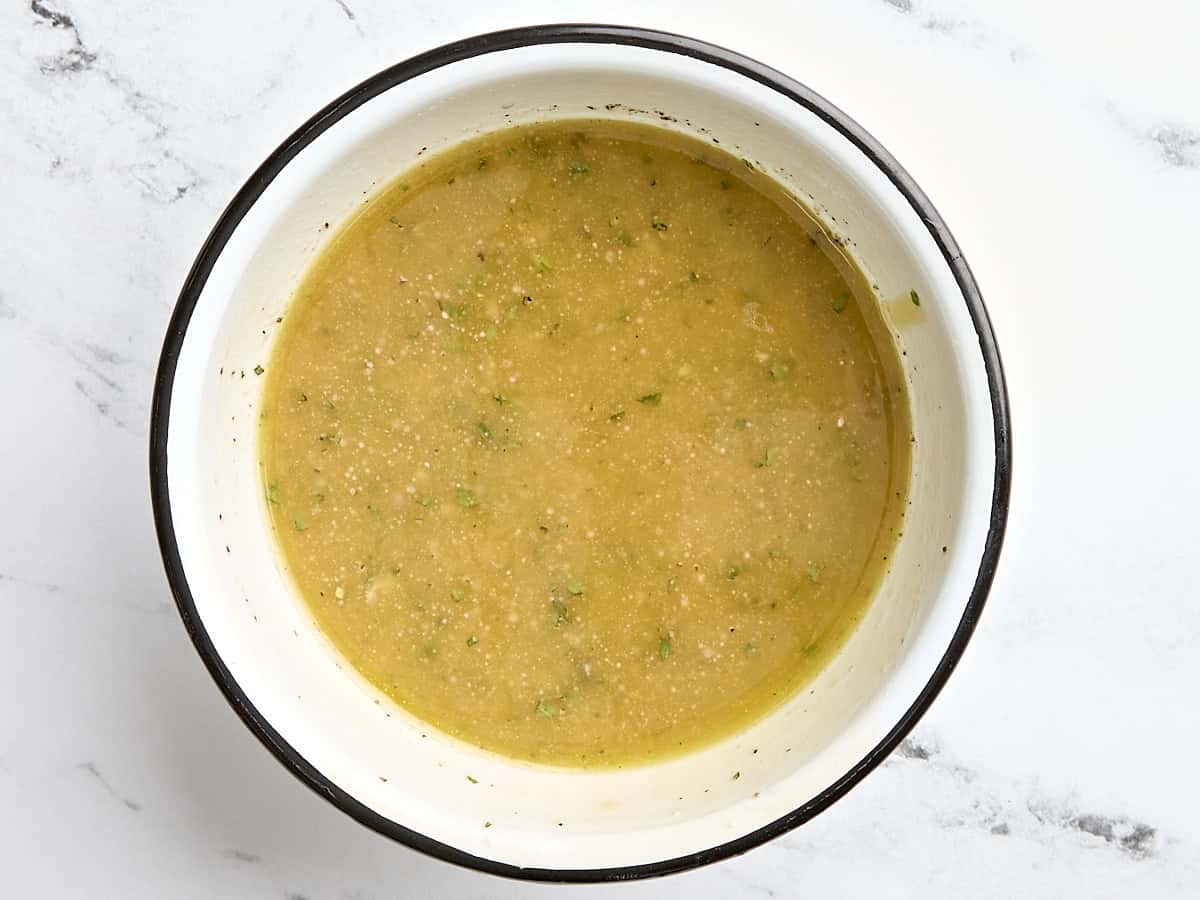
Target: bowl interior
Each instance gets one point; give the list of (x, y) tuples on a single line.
[(399, 768)]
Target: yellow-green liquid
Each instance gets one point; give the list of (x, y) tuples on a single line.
[(580, 447)]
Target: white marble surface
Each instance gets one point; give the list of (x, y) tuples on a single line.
[(1061, 142)]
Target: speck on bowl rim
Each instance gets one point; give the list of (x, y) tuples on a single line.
[(964, 351)]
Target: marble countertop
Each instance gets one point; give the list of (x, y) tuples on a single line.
[(1062, 144)]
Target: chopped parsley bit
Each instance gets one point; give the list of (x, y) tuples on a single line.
[(373, 510), (733, 573), (579, 168), (651, 399), (540, 264), (560, 613), (300, 524), (546, 709), (273, 492), (339, 593), (778, 370), (813, 572), (767, 459), (658, 224), (741, 424), (484, 431), (915, 298), (664, 647), (500, 399), (469, 778), (625, 238), (839, 302), (425, 501), (472, 641), (574, 587), (465, 498), (457, 594), (617, 416), (258, 370)]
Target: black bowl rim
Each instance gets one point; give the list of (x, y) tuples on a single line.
[(507, 40)]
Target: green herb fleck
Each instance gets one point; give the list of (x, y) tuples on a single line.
[(840, 301), (579, 168), (300, 524), (617, 416), (915, 298), (465, 498), (484, 431), (258, 370), (658, 224), (767, 459), (425, 501), (457, 594), (664, 647), (625, 238), (472, 641), (814, 573), (651, 399), (741, 424), (574, 587), (548, 710), (560, 613), (273, 492)]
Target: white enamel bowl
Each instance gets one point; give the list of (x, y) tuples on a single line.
[(399, 776)]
